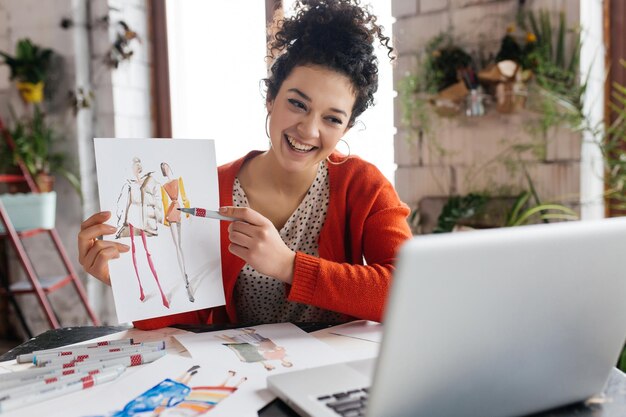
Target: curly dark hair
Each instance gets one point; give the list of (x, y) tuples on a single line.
[(336, 34)]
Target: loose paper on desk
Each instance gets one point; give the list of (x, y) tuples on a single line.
[(266, 349), (174, 264), (258, 352), (361, 329)]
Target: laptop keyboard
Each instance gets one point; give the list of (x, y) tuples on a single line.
[(347, 404)]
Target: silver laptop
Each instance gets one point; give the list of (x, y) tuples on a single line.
[(501, 322)]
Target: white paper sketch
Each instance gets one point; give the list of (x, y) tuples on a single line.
[(251, 346), (179, 397), (262, 349), (174, 264)]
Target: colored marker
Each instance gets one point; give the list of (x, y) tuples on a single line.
[(52, 392), (134, 360), (51, 381), (34, 374), (28, 357), (128, 360), (209, 214), (31, 376), (90, 357), (44, 357)]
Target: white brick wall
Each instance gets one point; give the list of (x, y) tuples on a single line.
[(475, 156), (487, 20), (429, 6), (412, 33), (400, 8), (121, 109)]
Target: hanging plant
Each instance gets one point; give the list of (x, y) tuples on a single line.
[(121, 49)]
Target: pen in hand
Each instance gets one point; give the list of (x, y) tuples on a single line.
[(210, 214)]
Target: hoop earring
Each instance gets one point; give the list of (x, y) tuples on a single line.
[(344, 159), (267, 119)]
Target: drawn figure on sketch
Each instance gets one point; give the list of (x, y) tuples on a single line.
[(170, 192), (175, 398), (139, 211), (250, 346)]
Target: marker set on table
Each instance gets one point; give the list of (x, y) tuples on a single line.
[(64, 370)]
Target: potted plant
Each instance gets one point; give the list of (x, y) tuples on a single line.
[(33, 138), (29, 67)]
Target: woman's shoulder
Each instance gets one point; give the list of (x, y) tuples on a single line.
[(359, 183), (354, 169)]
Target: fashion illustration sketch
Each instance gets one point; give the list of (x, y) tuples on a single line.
[(172, 191), (250, 346), (176, 398), (170, 262), (139, 212)]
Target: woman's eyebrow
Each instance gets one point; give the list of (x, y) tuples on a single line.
[(300, 93), (307, 98)]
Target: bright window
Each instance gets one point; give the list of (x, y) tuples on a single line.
[(217, 62), (216, 53)]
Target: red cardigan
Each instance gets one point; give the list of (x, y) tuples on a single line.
[(364, 228)]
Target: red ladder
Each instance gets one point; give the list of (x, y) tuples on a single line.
[(41, 287)]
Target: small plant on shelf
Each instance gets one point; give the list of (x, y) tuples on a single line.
[(29, 68), (34, 138)]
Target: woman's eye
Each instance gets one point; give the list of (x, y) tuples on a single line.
[(336, 121), (297, 104)]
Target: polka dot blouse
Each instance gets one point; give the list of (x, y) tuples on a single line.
[(260, 298)]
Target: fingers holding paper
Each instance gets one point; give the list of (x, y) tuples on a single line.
[(255, 240), (94, 254)]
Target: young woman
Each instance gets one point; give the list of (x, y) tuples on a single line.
[(319, 231)]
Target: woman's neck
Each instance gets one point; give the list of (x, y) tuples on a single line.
[(273, 191), (267, 169)]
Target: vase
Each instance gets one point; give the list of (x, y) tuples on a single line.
[(30, 210), (31, 92), (505, 102)]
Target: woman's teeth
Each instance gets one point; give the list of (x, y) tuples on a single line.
[(297, 146)]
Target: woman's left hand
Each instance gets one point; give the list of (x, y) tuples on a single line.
[(255, 240)]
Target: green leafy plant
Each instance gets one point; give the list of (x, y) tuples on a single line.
[(458, 208), (416, 115), (557, 89), (34, 139), (437, 70), (521, 213), (614, 148), (30, 62), (446, 63)]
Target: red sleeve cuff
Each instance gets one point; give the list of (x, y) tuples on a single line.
[(305, 278)]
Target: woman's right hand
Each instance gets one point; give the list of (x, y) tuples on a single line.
[(93, 253)]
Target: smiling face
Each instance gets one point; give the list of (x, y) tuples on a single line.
[(309, 115)]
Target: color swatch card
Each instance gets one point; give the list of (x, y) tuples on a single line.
[(174, 262)]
